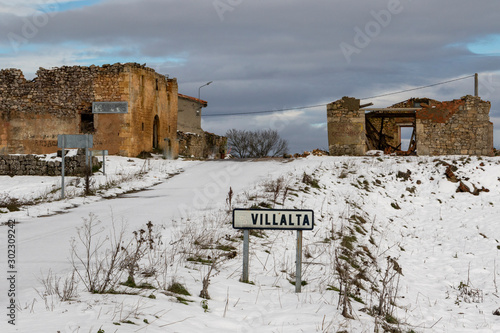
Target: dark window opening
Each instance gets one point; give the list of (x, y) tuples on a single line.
[(87, 123), (156, 84), (143, 127), (391, 131)]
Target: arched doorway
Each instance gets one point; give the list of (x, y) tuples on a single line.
[(156, 128)]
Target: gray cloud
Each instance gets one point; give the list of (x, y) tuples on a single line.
[(265, 55)]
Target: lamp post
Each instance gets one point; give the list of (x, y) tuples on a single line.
[(206, 84)]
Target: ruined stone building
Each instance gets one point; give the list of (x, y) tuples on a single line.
[(458, 127), (60, 101), (193, 140)]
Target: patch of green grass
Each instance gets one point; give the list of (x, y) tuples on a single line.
[(347, 242), (265, 205), (183, 300), (359, 230), (129, 283), (411, 189), (204, 305), (358, 218), (178, 288), (116, 292), (96, 167), (309, 180), (395, 205), (248, 282), (356, 298), (256, 233), (390, 319), (302, 283), (330, 287), (226, 247), (146, 285), (13, 207), (200, 260)]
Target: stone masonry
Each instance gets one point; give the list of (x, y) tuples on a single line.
[(204, 145), (34, 165), (59, 101), (458, 127), (346, 127)]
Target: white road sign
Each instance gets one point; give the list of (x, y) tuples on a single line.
[(282, 219)]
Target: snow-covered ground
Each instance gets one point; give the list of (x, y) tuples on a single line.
[(414, 254)]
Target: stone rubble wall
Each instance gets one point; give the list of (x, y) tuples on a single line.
[(346, 127), (33, 165), (207, 145), (458, 127)]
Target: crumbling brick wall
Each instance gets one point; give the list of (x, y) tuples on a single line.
[(458, 127), (59, 101), (346, 127)]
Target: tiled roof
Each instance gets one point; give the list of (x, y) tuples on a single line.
[(194, 99)]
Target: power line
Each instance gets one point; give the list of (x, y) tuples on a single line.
[(430, 85), (317, 105), (267, 111)]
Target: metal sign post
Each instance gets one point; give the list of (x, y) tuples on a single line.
[(245, 255), (73, 141), (274, 219), (63, 145), (298, 262), (104, 161)]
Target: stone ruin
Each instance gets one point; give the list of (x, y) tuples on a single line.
[(458, 127)]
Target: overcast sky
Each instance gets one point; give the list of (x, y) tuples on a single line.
[(271, 55)]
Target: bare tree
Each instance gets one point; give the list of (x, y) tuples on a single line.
[(260, 143), (239, 142)]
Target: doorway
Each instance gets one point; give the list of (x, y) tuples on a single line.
[(406, 136), (156, 129)]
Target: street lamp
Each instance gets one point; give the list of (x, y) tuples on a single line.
[(206, 84)]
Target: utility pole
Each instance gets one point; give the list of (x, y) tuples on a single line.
[(476, 85)]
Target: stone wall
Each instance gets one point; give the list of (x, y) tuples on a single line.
[(206, 145), (59, 101), (34, 165), (346, 127), (458, 127)]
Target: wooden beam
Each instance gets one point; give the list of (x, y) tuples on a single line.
[(391, 115), (381, 134), (391, 109)]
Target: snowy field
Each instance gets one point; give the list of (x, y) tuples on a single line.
[(395, 247)]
